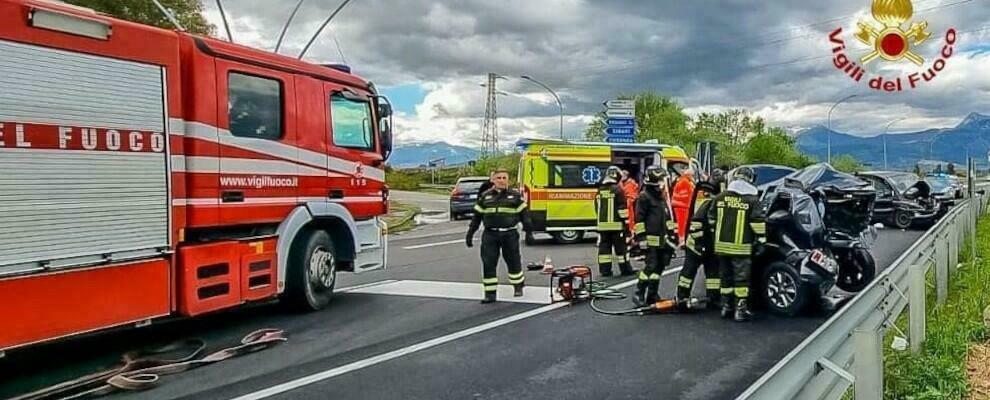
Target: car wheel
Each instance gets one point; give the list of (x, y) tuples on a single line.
[(857, 271), (782, 293), (568, 237), (312, 271), (902, 219)]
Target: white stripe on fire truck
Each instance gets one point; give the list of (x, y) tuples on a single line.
[(273, 200), (198, 164), (272, 148)]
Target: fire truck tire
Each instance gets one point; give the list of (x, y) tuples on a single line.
[(312, 271)]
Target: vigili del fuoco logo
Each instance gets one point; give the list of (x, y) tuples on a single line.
[(888, 41)]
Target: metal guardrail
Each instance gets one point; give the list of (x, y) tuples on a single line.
[(847, 350), (435, 186)]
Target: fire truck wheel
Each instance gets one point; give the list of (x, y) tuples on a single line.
[(312, 271)]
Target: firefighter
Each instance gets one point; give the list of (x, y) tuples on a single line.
[(738, 222), (698, 250), (610, 203), (501, 209), (681, 202), (655, 233)]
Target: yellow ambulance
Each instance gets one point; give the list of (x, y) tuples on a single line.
[(559, 179)]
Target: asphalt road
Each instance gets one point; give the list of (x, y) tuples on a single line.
[(570, 350)]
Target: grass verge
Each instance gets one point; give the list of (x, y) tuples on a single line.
[(939, 370), (402, 217)]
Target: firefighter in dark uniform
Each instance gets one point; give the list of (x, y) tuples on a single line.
[(501, 209), (655, 231), (739, 225), (698, 249), (610, 203)]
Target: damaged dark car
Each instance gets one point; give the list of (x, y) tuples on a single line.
[(819, 235), (903, 199)]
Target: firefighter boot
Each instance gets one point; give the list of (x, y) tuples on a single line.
[(683, 298), (625, 269), (518, 290), (714, 298), (653, 291), (742, 311), (639, 298), (728, 306), (489, 298)]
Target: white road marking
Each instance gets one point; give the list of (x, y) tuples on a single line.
[(456, 290), (423, 246), (356, 287), (381, 358)]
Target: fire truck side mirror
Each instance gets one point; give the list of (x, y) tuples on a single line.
[(385, 124)]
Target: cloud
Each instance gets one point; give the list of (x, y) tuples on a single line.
[(773, 58)]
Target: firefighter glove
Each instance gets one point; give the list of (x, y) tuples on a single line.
[(469, 241)]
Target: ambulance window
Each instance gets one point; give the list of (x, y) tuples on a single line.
[(254, 106), (576, 174), (351, 123)]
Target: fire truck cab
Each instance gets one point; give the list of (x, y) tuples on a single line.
[(149, 173)]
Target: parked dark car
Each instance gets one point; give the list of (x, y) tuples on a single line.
[(903, 199), (464, 195), (945, 189)]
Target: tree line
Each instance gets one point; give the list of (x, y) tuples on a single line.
[(740, 137)]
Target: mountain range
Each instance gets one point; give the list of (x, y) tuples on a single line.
[(970, 138), (420, 154)]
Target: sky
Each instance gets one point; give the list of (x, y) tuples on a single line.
[(772, 58)]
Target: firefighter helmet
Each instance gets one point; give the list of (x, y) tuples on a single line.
[(655, 175), (745, 173), (612, 174)]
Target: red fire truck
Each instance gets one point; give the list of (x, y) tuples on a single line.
[(148, 173)]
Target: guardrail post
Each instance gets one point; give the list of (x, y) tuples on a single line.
[(941, 255), (868, 364), (941, 282), (916, 306), (954, 244)]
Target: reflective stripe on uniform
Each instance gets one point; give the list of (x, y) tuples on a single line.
[(671, 225), (695, 225), (643, 276), (653, 240), (654, 277), (517, 278), (610, 226), (713, 283), (640, 227), (733, 249), (604, 258), (725, 290), (759, 228), (623, 213), (490, 284), (499, 210), (685, 282), (740, 225), (742, 292)]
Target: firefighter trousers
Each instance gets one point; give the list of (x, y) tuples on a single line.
[(506, 243), (648, 285), (735, 274), (693, 262), (607, 242)]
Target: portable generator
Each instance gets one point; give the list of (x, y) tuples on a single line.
[(571, 284)]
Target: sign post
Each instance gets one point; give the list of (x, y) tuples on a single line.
[(620, 123)]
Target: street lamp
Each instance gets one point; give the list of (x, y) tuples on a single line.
[(830, 125), (884, 137), (559, 104)]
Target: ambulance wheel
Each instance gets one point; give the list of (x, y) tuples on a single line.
[(312, 271), (781, 290), (568, 237)]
